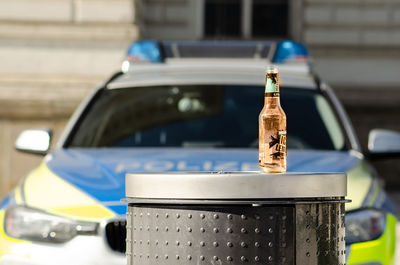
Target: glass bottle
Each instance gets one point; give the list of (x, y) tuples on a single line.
[(272, 127)]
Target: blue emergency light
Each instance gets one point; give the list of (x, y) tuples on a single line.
[(155, 52), (144, 51), (290, 51)]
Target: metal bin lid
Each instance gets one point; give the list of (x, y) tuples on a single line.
[(234, 185)]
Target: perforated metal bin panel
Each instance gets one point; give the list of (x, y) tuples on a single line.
[(320, 233), (242, 234)]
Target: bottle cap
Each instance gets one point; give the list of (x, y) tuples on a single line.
[(272, 69)]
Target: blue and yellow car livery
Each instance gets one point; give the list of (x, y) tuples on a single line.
[(80, 190)]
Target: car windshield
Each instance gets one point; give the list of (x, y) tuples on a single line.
[(192, 116)]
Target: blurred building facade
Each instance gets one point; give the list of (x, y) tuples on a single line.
[(53, 52)]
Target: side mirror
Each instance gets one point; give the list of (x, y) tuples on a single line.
[(383, 143), (35, 141)]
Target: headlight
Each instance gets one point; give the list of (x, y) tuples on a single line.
[(364, 225), (36, 225)]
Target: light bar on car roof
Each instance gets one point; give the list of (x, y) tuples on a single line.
[(290, 51), (157, 52), (142, 52), (217, 49)]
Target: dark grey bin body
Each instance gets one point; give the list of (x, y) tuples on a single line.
[(235, 218)]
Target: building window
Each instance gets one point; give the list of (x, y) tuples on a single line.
[(246, 19), (270, 18), (222, 18)]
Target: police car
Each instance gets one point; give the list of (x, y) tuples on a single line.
[(185, 106)]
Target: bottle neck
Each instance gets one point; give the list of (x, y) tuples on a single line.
[(272, 100)]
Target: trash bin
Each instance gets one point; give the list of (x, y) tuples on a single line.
[(235, 218)]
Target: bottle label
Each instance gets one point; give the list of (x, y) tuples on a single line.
[(277, 144), (271, 87)]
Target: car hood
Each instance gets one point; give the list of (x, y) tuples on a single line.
[(100, 173)]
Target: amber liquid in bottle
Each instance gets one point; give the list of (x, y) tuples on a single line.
[(272, 127)]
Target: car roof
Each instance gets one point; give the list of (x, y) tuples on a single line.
[(208, 71)]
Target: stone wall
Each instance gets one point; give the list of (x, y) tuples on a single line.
[(53, 53), (66, 11), (170, 19), (351, 22), (353, 42)]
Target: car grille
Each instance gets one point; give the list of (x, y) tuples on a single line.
[(116, 235)]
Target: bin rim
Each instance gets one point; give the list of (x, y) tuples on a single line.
[(238, 185)]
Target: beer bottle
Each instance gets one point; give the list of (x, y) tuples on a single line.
[(272, 127)]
